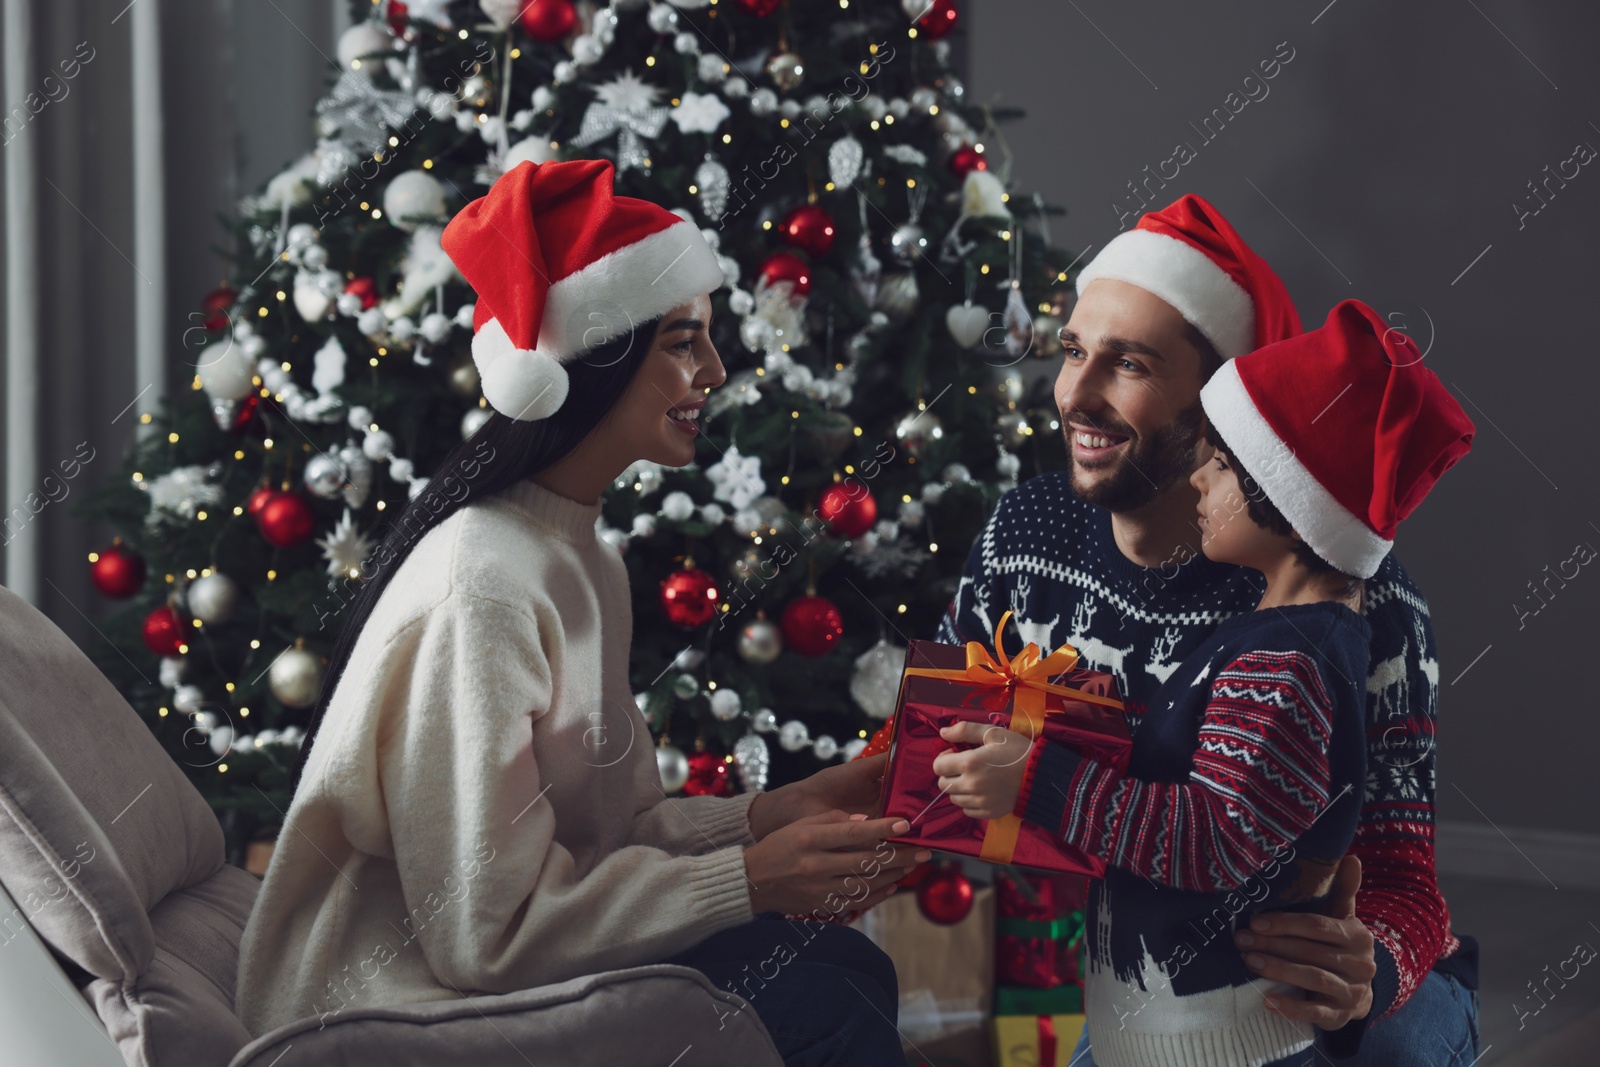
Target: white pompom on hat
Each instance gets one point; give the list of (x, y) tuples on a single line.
[(561, 266)]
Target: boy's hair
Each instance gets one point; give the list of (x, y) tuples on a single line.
[(1265, 514)]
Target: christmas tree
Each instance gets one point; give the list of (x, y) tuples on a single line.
[(887, 308)]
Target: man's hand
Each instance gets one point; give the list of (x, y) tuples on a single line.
[(983, 781), (851, 787), (1329, 956)]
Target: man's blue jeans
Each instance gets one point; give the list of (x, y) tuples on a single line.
[(827, 995), (1437, 1027)]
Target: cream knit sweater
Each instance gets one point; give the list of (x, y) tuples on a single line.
[(481, 810)]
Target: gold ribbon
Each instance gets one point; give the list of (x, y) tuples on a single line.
[(1026, 674)]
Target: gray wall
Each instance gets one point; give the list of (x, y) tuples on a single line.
[(1385, 158)]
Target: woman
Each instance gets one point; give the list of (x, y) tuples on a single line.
[(456, 826)]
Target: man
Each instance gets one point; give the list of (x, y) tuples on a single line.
[(1105, 556)]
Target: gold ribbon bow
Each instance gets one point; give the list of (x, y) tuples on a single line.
[(1026, 674)]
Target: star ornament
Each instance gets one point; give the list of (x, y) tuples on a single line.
[(628, 92), (345, 548)]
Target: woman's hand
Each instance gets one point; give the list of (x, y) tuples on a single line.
[(983, 781), (832, 861), (1329, 956), (852, 787)]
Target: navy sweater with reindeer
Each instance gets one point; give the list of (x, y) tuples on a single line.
[(1051, 559), (1241, 795)]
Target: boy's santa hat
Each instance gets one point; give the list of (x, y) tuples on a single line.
[(562, 266), (1343, 428), (1189, 256)]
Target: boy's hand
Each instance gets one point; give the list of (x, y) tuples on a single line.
[(983, 781)]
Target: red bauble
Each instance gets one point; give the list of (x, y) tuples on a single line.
[(216, 304), (850, 510), (938, 20), (365, 288), (118, 572), (244, 417), (809, 228), (787, 267), (759, 8), (396, 15), (812, 626), (286, 520), (549, 20), (967, 159), (163, 631), (945, 897), (708, 776), (258, 500), (689, 597)]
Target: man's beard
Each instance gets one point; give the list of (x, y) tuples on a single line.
[(1148, 468)]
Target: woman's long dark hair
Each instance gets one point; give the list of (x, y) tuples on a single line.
[(520, 449)]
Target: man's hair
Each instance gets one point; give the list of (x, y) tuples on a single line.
[(1265, 514), (1210, 358)]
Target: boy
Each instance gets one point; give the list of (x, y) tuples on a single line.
[(1246, 773)]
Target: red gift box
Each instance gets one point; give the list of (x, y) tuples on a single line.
[(1038, 926), (1032, 694)]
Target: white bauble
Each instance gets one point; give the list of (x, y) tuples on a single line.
[(188, 699), (725, 704), (213, 597), (530, 150), (765, 720), (794, 736), (412, 198), (363, 39), (226, 370), (378, 445), (752, 759), (760, 642), (854, 748), (824, 747), (173, 668), (677, 506), (875, 681), (967, 323), (296, 678)]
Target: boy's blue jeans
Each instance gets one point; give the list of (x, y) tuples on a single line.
[(1438, 1026), (827, 995)]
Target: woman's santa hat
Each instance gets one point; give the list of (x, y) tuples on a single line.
[(1343, 428), (562, 266), (1189, 256)]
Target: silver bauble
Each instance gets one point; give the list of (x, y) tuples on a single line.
[(786, 70), (917, 430), (908, 242), (689, 659), (765, 720), (875, 681), (1013, 428), (760, 642), (824, 747), (685, 687), (794, 736), (1046, 335), (898, 295), (324, 475), (213, 597), (464, 380), (473, 420), (752, 759), (296, 678), (673, 767), (358, 470)]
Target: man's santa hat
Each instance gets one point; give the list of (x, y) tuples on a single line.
[(1189, 256), (1343, 428), (562, 266)]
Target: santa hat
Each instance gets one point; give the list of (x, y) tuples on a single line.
[(562, 266), (1343, 428), (1189, 256)]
